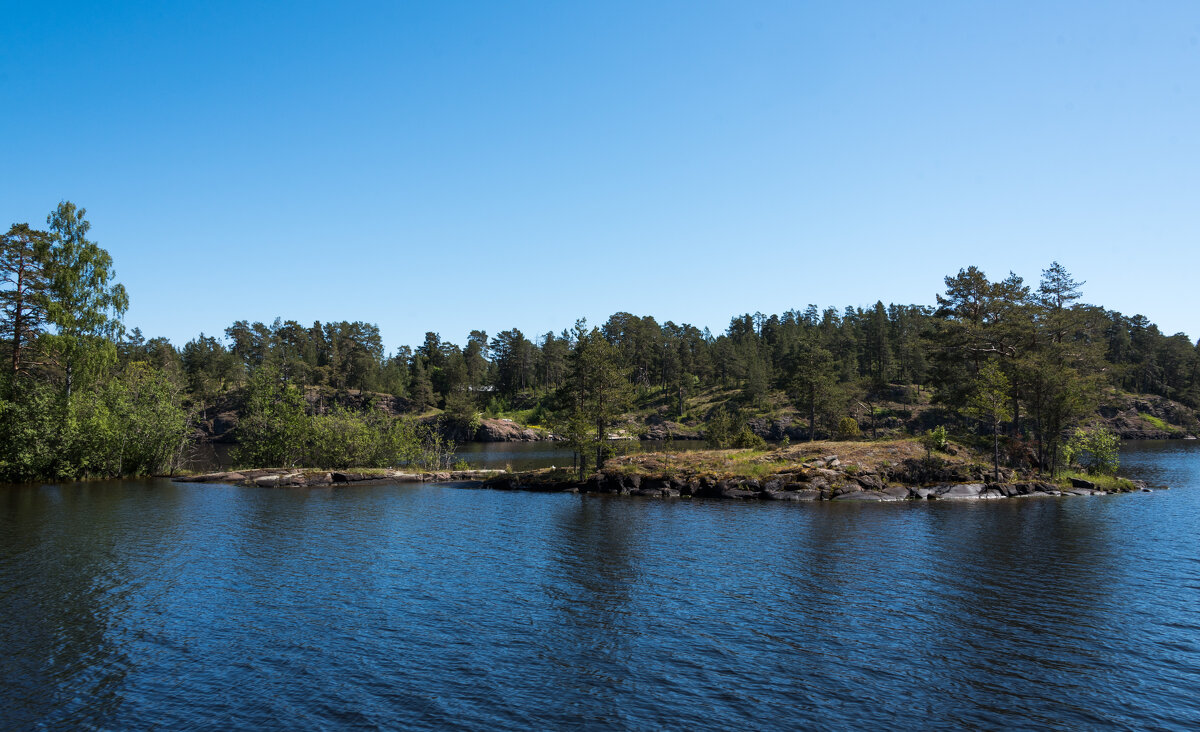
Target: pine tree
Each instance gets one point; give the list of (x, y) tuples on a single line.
[(24, 255)]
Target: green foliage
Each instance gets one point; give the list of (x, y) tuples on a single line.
[(1096, 449), (30, 421), (25, 269), (277, 431), (460, 414), (274, 426), (989, 403), (847, 429), (722, 428), (596, 392), (989, 400), (747, 440), (1027, 364), (934, 440), (83, 306), (132, 423)]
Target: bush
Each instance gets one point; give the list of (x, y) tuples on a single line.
[(747, 440), (847, 429), (720, 431), (1096, 449), (934, 440)]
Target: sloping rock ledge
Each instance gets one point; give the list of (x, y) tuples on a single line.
[(551, 481), (293, 478)]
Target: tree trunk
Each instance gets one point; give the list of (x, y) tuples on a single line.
[(996, 452)]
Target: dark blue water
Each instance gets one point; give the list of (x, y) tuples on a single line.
[(158, 605)]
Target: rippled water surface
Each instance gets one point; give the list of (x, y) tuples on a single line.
[(158, 605)]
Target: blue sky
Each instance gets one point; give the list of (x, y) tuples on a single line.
[(449, 166)]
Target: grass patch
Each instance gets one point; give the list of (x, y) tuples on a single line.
[(754, 470), (1109, 483), (1156, 421)]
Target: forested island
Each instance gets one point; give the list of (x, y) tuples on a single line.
[(1029, 375)]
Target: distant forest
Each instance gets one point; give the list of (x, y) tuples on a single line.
[(84, 397)]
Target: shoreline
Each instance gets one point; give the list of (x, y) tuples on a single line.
[(874, 472)]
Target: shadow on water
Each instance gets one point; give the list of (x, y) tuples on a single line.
[(592, 569), (77, 561)]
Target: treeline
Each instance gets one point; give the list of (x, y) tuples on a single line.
[(84, 398), (880, 345)]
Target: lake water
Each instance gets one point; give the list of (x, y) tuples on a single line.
[(137, 605)]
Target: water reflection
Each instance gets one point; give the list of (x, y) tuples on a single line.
[(129, 605), (77, 560)]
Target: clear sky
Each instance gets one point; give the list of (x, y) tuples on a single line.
[(448, 166)]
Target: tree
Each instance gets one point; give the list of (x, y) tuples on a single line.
[(1057, 291), (422, 386), (989, 404), (83, 305), (24, 276), (1097, 449), (273, 430), (597, 391), (811, 381)]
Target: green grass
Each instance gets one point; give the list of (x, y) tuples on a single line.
[(1104, 482), (754, 470), (1156, 421)]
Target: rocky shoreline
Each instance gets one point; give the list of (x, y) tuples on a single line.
[(815, 479), (807, 484), (303, 478)]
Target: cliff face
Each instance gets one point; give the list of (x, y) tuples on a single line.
[(1144, 417), (506, 430)]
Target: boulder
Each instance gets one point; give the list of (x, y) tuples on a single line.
[(961, 491), (859, 496), (734, 493), (1081, 483), (1008, 490), (898, 492), (869, 482), (502, 430)]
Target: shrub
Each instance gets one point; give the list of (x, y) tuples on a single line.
[(721, 429), (1096, 449), (847, 429), (934, 440), (747, 440)]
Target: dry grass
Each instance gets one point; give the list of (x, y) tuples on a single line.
[(860, 456)]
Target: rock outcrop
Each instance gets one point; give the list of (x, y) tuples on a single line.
[(506, 430)]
